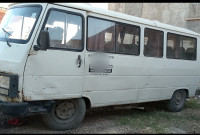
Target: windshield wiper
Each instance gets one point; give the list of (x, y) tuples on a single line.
[(6, 37)]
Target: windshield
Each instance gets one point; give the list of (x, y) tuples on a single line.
[(18, 23)]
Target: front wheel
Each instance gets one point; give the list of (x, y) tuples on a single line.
[(177, 102), (66, 115)]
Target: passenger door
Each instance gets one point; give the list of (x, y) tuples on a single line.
[(57, 73)]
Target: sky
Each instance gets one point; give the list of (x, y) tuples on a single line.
[(99, 5)]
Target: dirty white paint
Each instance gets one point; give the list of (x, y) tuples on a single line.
[(13, 59), (54, 74)]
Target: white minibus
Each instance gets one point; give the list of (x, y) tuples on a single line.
[(59, 59)]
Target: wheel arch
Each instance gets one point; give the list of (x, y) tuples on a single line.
[(185, 89), (87, 102)]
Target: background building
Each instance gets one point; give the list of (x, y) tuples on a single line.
[(2, 12), (3, 9), (185, 15)]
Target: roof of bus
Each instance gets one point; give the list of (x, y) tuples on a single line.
[(89, 8)]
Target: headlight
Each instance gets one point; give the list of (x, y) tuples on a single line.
[(4, 82), (9, 84)]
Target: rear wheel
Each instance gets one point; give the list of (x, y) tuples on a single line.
[(177, 102), (65, 115)]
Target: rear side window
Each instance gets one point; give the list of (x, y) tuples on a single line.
[(189, 45), (153, 43), (101, 35), (173, 46), (127, 39), (181, 47), (65, 30)]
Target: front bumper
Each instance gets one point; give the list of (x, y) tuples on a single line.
[(25, 108)]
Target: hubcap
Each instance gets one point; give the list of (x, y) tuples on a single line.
[(179, 98), (64, 110)]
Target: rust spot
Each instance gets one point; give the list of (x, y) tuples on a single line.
[(32, 53), (27, 98), (16, 99)]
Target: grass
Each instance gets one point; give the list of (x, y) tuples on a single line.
[(145, 119), (192, 104), (158, 120)]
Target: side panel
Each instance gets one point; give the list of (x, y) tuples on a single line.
[(162, 76), (118, 87)]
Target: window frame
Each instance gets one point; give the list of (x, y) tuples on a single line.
[(67, 12), (162, 42), (116, 22), (181, 39)]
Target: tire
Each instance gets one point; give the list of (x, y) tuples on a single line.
[(177, 102), (66, 114)]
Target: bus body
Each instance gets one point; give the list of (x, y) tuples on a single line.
[(59, 59)]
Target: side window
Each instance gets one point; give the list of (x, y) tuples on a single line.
[(174, 49), (153, 43), (101, 35), (65, 30), (127, 39), (181, 47), (189, 45)]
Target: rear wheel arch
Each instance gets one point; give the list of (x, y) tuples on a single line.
[(184, 89)]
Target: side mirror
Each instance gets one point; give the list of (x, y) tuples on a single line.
[(43, 41)]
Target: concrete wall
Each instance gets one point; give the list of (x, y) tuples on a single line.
[(169, 13)]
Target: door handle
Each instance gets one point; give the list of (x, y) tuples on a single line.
[(79, 61)]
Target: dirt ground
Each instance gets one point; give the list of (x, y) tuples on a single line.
[(94, 122), (103, 121)]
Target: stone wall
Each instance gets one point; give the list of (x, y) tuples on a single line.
[(175, 14)]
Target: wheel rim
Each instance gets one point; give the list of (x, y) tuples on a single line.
[(179, 98), (65, 111)]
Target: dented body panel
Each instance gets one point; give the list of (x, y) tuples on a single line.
[(13, 59)]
